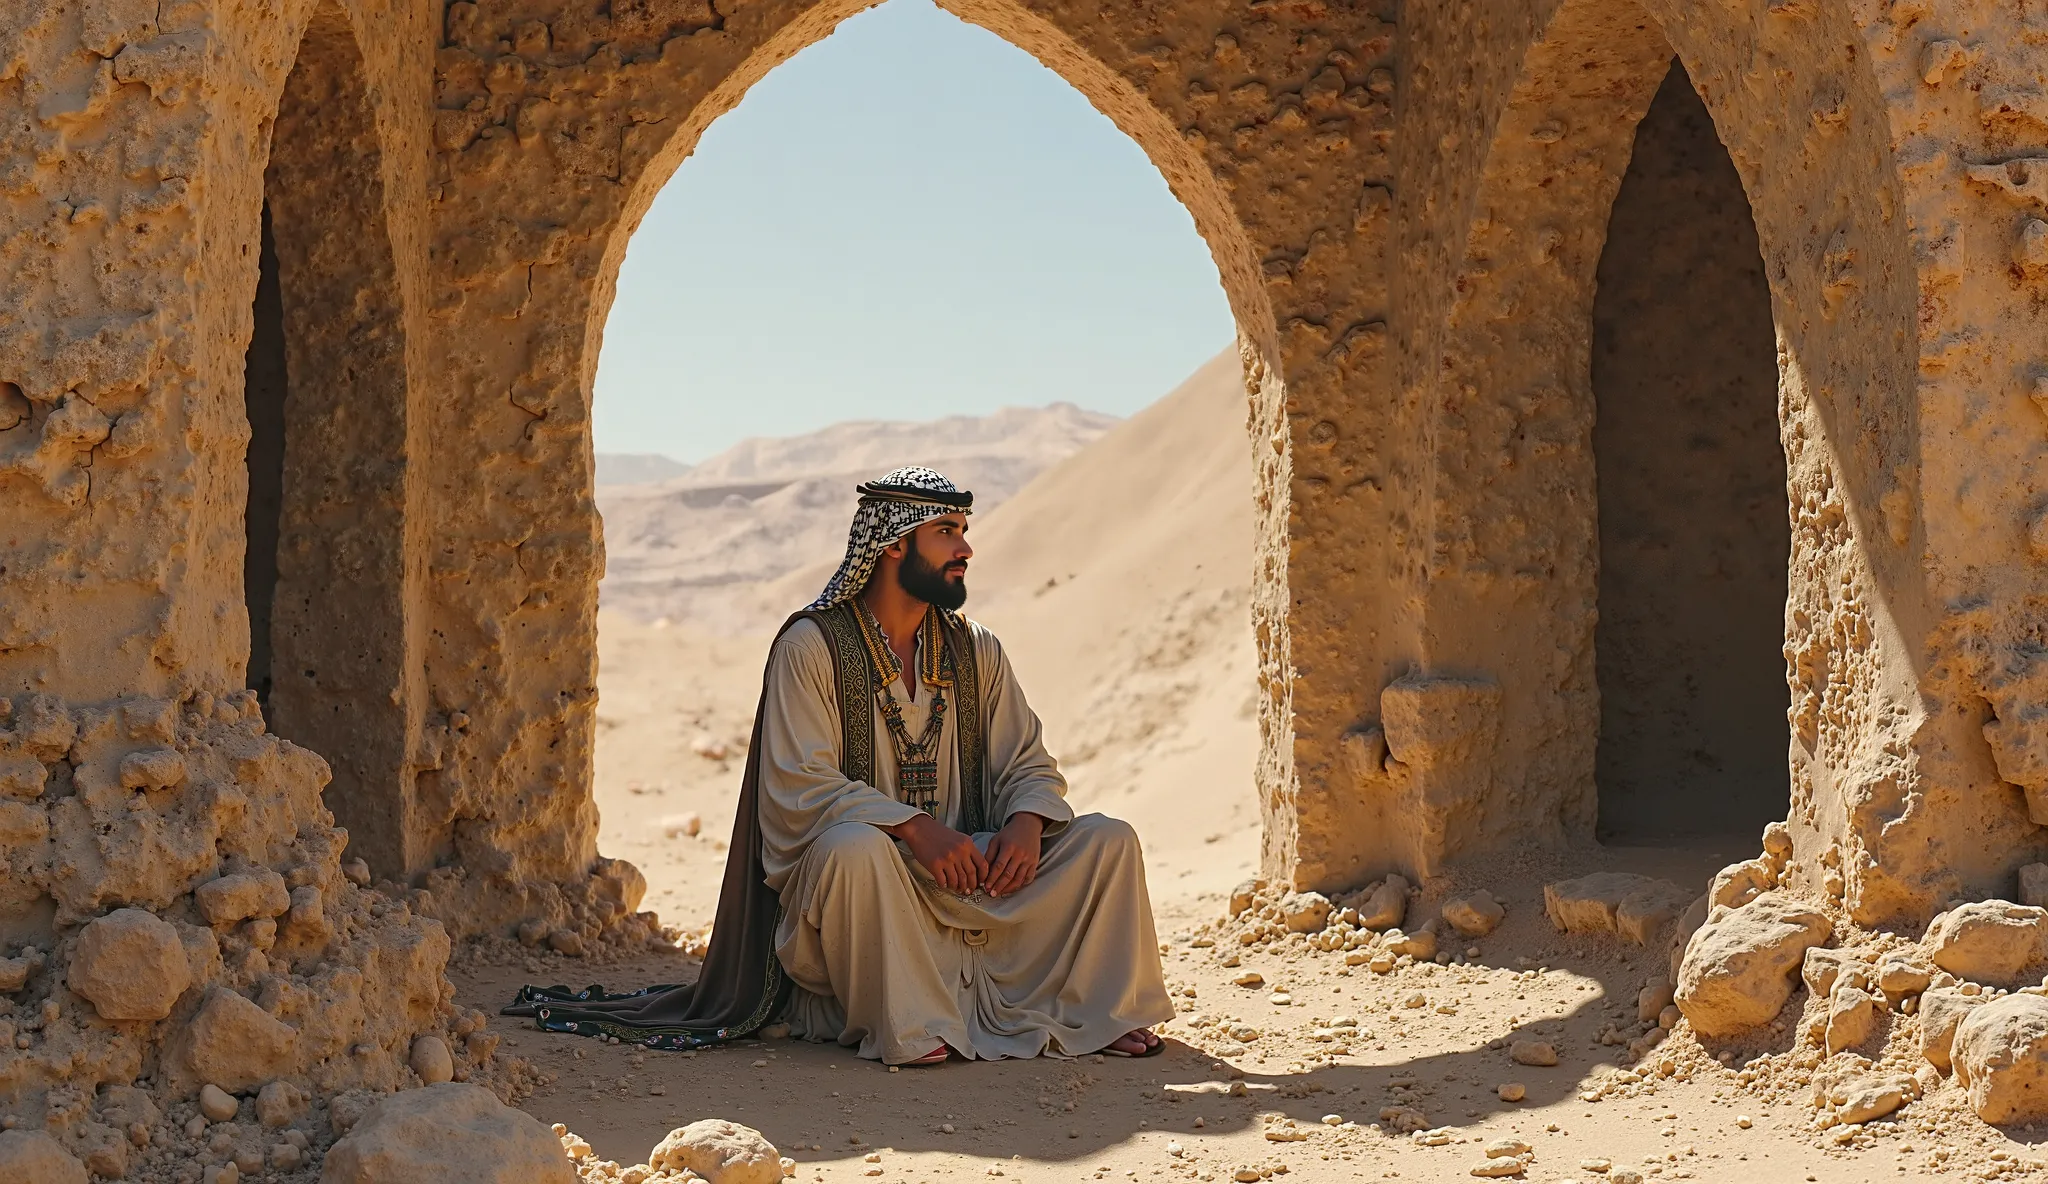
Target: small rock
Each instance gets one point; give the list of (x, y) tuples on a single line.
[(2034, 885), (1820, 968), (1739, 883), (448, 1133), (32, 1157), (1499, 1168), (277, 1104), (1624, 1176), (776, 1031), (1511, 1091), (284, 1157), (1589, 904), (1652, 1000), (721, 1152), (1535, 1053), (1777, 842), (1419, 945), (1506, 1146), (1870, 1100), (1738, 968), (217, 1104), (2001, 1059), (1941, 1010), (130, 964), (534, 932), (1598, 1164), (1989, 941), (567, 942), (1244, 895), (238, 1045), (1385, 906), (685, 825), (1852, 1016), (1250, 978), (233, 899), (1304, 912), (431, 1059), (1899, 975), (1474, 916), (357, 872)]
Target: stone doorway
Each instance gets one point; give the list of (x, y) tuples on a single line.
[(1693, 533), (325, 392)]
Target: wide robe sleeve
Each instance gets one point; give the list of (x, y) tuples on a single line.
[(803, 793), (1023, 775)]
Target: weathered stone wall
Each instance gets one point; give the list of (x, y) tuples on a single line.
[(1408, 218), (1691, 477)]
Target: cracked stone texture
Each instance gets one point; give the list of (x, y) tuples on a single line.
[(1409, 224)]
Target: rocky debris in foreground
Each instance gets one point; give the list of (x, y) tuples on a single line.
[(714, 1150), (451, 1134)]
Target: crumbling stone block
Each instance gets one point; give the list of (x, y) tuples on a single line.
[(460, 1134), (131, 965), (2001, 1059), (1738, 969), (1990, 941)]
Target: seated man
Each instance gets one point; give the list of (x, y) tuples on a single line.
[(906, 875)]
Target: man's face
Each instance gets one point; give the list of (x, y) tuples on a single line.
[(934, 567)]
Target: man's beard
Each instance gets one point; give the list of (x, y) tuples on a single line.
[(929, 583)]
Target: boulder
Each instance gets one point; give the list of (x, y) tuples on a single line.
[(1304, 912), (2001, 1059), (2034, 885), (32, 1157), (130, 964), (1386, 906), (237, 1045), (1989, 941), (1738, 969), (1941, 1010), (1474, 916), (1852, 1017), (722, 1152), (232, 899), (1597, 903), (446, 1134)]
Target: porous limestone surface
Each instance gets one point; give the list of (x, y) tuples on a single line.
[(1408, 209)]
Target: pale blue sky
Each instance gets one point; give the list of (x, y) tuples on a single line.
[(911, 218)]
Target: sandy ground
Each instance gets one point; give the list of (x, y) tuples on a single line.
[(1131, 635)]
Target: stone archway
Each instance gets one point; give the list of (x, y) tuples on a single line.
[(1536, 140), (326, 396), (544, 185)]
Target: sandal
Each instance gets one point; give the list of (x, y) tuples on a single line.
[(937, 1056)]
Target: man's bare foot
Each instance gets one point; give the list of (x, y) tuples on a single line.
[(1136, 1043)]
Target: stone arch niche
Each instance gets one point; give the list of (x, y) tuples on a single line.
[(326, 397), (1690, 479), (1515, 141), (557, 128)]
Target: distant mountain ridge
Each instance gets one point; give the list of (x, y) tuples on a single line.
[(637, 468), (698, 546)]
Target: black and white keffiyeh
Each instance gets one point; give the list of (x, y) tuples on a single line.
[(890, 507)]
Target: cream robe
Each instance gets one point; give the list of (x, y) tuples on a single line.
[(886, 959)]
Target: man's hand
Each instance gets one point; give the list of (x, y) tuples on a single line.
[(1013, 854), (951, 857)]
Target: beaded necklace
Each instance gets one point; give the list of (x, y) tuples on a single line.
[(917, 760)]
